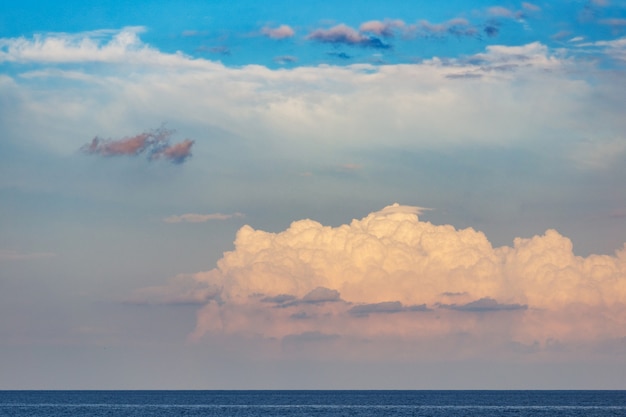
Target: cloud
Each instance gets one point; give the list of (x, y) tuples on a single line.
[(391, 274), (416, 106), (155, 143), (458, 27), (180, 290), (286, 59), (484, 305), (384, 28), (499, 11), (342, 34), (280, 32), (531, 7), (200, 218), (615, 23), (385, 307), (94, 46), (340, 55)]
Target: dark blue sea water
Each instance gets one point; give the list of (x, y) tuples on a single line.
[(312, 403)]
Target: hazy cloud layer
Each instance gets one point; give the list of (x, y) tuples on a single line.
[(410, 278), (433, 103)]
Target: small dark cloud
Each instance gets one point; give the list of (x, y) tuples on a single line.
[(484, 305), (386, 307), (491, 29), (454, 294), (340, 55), (155, 143), (279, 299), (321, 295)]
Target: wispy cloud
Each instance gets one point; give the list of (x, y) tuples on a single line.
[(200, 218), (155, 143)]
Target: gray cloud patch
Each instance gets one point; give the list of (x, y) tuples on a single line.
[(386, 307), (485, 304), (279, 299), (319, 295)]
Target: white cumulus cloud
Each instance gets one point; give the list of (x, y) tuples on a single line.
[(391, 274)]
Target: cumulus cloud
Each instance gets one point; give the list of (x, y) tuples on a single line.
[(391, 274), (200, 218), (343, 34), (155, 143), (280, 32)]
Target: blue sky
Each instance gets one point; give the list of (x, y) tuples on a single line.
[(213, 181)]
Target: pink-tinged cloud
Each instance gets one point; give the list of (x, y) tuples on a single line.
[(200, 218), (177, 153), (391, 275), (531, 7), (127, 146), (499, 11), (155, 143), (384, 28), (615, 22), (280, 32), (342, 34)]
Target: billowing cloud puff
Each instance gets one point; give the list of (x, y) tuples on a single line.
[(155, 143), (392, 274), (280, 32)]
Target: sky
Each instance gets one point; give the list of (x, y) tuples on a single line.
[(315, 195)]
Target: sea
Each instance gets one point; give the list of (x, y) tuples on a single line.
[(313, 403)]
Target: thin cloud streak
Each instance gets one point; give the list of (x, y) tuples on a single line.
[(200, 218)]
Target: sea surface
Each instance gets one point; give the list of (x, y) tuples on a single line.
[(312, 403)]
